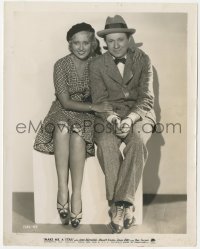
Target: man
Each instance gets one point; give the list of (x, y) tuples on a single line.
[(123, 77)]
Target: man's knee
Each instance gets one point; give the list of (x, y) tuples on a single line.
[(142, 131), (105, 140), (136, 137), (102, 140)]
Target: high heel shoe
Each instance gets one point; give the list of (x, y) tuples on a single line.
[(75, 219), (64, 211)]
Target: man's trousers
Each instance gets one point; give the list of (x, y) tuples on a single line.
[(123, 174)]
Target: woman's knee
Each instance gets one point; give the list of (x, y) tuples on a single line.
[(76, 138), (61, 129)]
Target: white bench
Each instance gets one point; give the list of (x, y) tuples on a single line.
[(95, 206)]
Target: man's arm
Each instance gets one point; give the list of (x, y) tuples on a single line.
[(99, 91), (145, 99)]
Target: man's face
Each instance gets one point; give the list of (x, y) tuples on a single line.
[(117, 44)]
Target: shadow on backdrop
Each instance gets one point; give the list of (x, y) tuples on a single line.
[(151, 178)]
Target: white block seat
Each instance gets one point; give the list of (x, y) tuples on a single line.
[(94, 203)]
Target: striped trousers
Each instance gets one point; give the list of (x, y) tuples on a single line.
[(123, 172)]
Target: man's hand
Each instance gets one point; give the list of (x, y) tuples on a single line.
[(124, 128), (126, 125), (121, 134), (116, 121)]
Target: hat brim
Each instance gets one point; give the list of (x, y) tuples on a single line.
[(104, 32), (139, 44)]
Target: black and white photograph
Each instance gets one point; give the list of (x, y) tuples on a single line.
[(99, 124)]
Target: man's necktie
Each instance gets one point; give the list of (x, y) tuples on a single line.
[(118, 60)]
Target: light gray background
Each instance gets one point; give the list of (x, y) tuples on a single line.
[(38, 40)]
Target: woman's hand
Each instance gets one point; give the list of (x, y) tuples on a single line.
[(102, 107)]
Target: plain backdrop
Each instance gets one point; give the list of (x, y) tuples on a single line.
[(35, 40)]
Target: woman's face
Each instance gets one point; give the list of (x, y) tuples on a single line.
[(81, 45)]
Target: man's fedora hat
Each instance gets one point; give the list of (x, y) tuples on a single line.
[(115, 24)]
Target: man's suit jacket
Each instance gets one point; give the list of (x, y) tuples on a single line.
[(132, 93)]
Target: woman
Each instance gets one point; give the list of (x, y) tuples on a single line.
[(67, 131)]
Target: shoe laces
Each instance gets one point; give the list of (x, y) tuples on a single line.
[(120, 212), (129, 211)]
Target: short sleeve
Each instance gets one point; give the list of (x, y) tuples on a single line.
[(60, 78)]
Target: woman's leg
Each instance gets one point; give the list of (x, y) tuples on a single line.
[(77, 161), (61, 150)]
